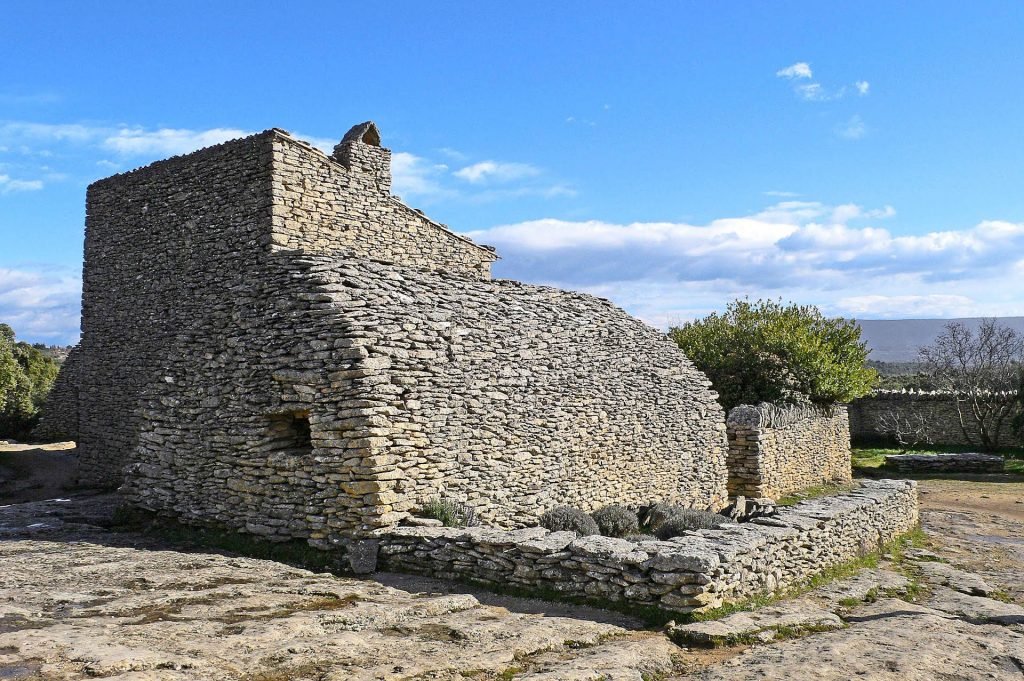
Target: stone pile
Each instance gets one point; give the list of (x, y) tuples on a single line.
[(775, 450), (698, 571), (966, 462)]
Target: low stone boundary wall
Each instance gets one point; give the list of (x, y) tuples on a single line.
[(944, 463), (701, 570), (774, 450), (936, 412)]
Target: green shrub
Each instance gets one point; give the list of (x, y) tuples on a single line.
[(26, 376), (769, 352), (450, 512), (686, 519), (616, 521), (566, 519)]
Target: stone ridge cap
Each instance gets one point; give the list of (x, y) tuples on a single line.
[(178, 157), (490, 250)]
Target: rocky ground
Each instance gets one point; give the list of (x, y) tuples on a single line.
[(80, 600)]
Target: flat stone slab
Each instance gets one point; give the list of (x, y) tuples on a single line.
[(867, 582), (887, 640), (963, 462), (976, 608), (763, 624), (956, 579)]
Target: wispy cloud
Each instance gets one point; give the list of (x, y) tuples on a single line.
[(415, 176), (780, 194), (799, 70), (9, 185), (852, 129), (167, 141), (42, 304), (800, 73), (495, 171), (802, 250)]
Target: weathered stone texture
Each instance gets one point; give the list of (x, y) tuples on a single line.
[(60, 412), (777, 450), (273, 343), (937, 412), (966, 462), (698, 571), (343, 206)]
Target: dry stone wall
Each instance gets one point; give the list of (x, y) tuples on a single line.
[(59, 420), (936, 411), (342, 205), (701, 570), (774, 451), (248, 363), (169, 249)]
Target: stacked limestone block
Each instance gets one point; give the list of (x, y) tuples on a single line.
[(937, 412), (698, 571), (774, 451), (273, 343), (59, 420), (966, 462)]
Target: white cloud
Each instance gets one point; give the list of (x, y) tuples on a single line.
[(799, 250), (43, 304), (413, 175), (812, 92), (929, 305), (781, 194), (853, 129), (497, 171), (9, 185), (801, 69), (167, 141)]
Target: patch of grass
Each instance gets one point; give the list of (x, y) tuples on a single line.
[(510, 673), (1001, 595), (815, 492), (869, 459)]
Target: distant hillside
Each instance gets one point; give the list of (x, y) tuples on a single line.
[(897, 340)]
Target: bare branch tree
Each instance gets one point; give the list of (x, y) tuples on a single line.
[(907, 429), (982, 369)]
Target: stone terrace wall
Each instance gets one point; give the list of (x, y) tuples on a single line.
[(937, 409), (699, 571), (322, 207), (59, 420), (777, 450)]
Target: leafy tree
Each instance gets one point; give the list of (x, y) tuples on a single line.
[(26, 377), (983, 369), (769, 352)]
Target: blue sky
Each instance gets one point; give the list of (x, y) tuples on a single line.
[(670, 156)]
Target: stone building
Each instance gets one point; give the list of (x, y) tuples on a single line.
[(273, 342)]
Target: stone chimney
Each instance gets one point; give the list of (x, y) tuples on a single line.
[(360, 152)]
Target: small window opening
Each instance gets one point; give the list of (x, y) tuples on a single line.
[(290, 433)]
